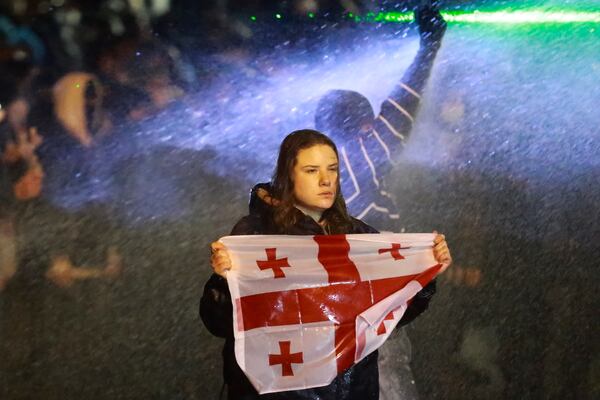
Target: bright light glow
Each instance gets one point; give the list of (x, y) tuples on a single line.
[(499, 17), (525, 17)]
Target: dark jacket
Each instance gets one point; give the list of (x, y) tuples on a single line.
[(361, 381)]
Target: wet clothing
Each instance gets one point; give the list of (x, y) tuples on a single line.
[(367, 157), (360, 381)]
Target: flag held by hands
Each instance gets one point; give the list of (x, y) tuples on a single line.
[(307, 308)]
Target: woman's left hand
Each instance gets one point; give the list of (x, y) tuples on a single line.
[(441, 252)]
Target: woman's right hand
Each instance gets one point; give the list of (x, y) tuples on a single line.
[(219, 260)]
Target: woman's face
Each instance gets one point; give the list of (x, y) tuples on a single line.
[(315, 177)]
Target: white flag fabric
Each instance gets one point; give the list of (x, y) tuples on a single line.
[(307, 308)]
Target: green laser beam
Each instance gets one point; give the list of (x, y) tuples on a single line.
[(495, 17), (483, 17)]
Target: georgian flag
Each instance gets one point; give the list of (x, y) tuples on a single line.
[(307, 308)]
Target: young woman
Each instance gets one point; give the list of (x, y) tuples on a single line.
[(308, 201)]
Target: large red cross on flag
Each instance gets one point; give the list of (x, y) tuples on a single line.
[(338, 300)]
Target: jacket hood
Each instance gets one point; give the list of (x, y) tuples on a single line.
[(257, 206)]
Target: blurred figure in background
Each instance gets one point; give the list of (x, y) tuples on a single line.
[(78, 164), (370, 144), (21, 174), (37, 165)]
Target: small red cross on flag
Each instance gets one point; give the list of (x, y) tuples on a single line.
[(394, 251), (273, 263), (285, 358), (338, 303)]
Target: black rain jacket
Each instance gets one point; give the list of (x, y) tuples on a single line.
[(360, 382)]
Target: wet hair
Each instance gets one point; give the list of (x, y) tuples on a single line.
[(342, 114), (286, 215)]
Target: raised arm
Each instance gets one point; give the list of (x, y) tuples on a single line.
[(64, 274), (398, 111)]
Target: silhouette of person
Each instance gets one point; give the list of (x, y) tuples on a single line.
[(369, 144)]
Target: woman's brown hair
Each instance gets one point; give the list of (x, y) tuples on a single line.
[(285, 215)]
